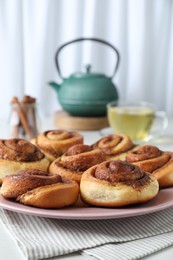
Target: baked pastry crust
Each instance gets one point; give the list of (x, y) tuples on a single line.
[(115, 146), (40, 189), (117, 183), (54, 143), (152, 159), (18, 154), (75, 161)]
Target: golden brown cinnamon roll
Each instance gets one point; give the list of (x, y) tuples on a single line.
[(18, 154), (115, 146), (40, 189), (117, 183), (75, 161), (151, 159), (54, 143)]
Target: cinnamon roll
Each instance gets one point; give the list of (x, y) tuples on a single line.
[(75, 161), (115, 146), (151, 159), (40, 189), (18, 154), (117, 183), (54, 143)]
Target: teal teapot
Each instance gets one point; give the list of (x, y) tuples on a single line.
[(86, 94)]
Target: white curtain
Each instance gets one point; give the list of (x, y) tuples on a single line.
[(32, 30)]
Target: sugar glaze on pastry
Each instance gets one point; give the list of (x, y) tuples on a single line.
[(40, 189), (151, 159), (114, 146), (75, 161), (53, 143), (117, 183), (18, 154)]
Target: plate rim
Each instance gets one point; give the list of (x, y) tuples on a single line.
[(91, 213)]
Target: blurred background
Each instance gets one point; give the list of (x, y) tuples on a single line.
[(32, 31)]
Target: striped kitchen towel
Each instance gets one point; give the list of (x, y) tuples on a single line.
[(121, 239)]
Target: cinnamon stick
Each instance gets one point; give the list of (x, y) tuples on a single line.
[(29, 106), (23, 117)]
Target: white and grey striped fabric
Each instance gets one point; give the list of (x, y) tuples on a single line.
[(132, 250), (121, 239)]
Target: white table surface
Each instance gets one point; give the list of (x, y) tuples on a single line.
[(8, 247)]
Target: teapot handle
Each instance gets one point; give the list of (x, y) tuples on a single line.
[(90, 39)]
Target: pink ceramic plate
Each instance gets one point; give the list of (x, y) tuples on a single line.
[(81, 211)]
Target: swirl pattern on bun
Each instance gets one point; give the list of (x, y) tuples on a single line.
[(151, 159), (18, 154), (114, 146), (117, 183), (75, 161), (40, 189), (54, 143)]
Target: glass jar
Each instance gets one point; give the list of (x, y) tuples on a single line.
[(23, 118)]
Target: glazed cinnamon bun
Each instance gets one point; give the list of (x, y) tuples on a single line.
[(117, 183), (18, 154), (40, 189), (54, 143), (115, 146), (151, 159), (75, 161)]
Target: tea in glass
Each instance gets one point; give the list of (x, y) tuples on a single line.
[(136, 119)]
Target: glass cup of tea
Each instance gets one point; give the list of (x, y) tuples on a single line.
[(139, 120)]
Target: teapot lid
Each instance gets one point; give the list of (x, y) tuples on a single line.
[(87, 73)]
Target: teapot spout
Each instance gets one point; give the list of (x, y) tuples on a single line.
[(54, 85)]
